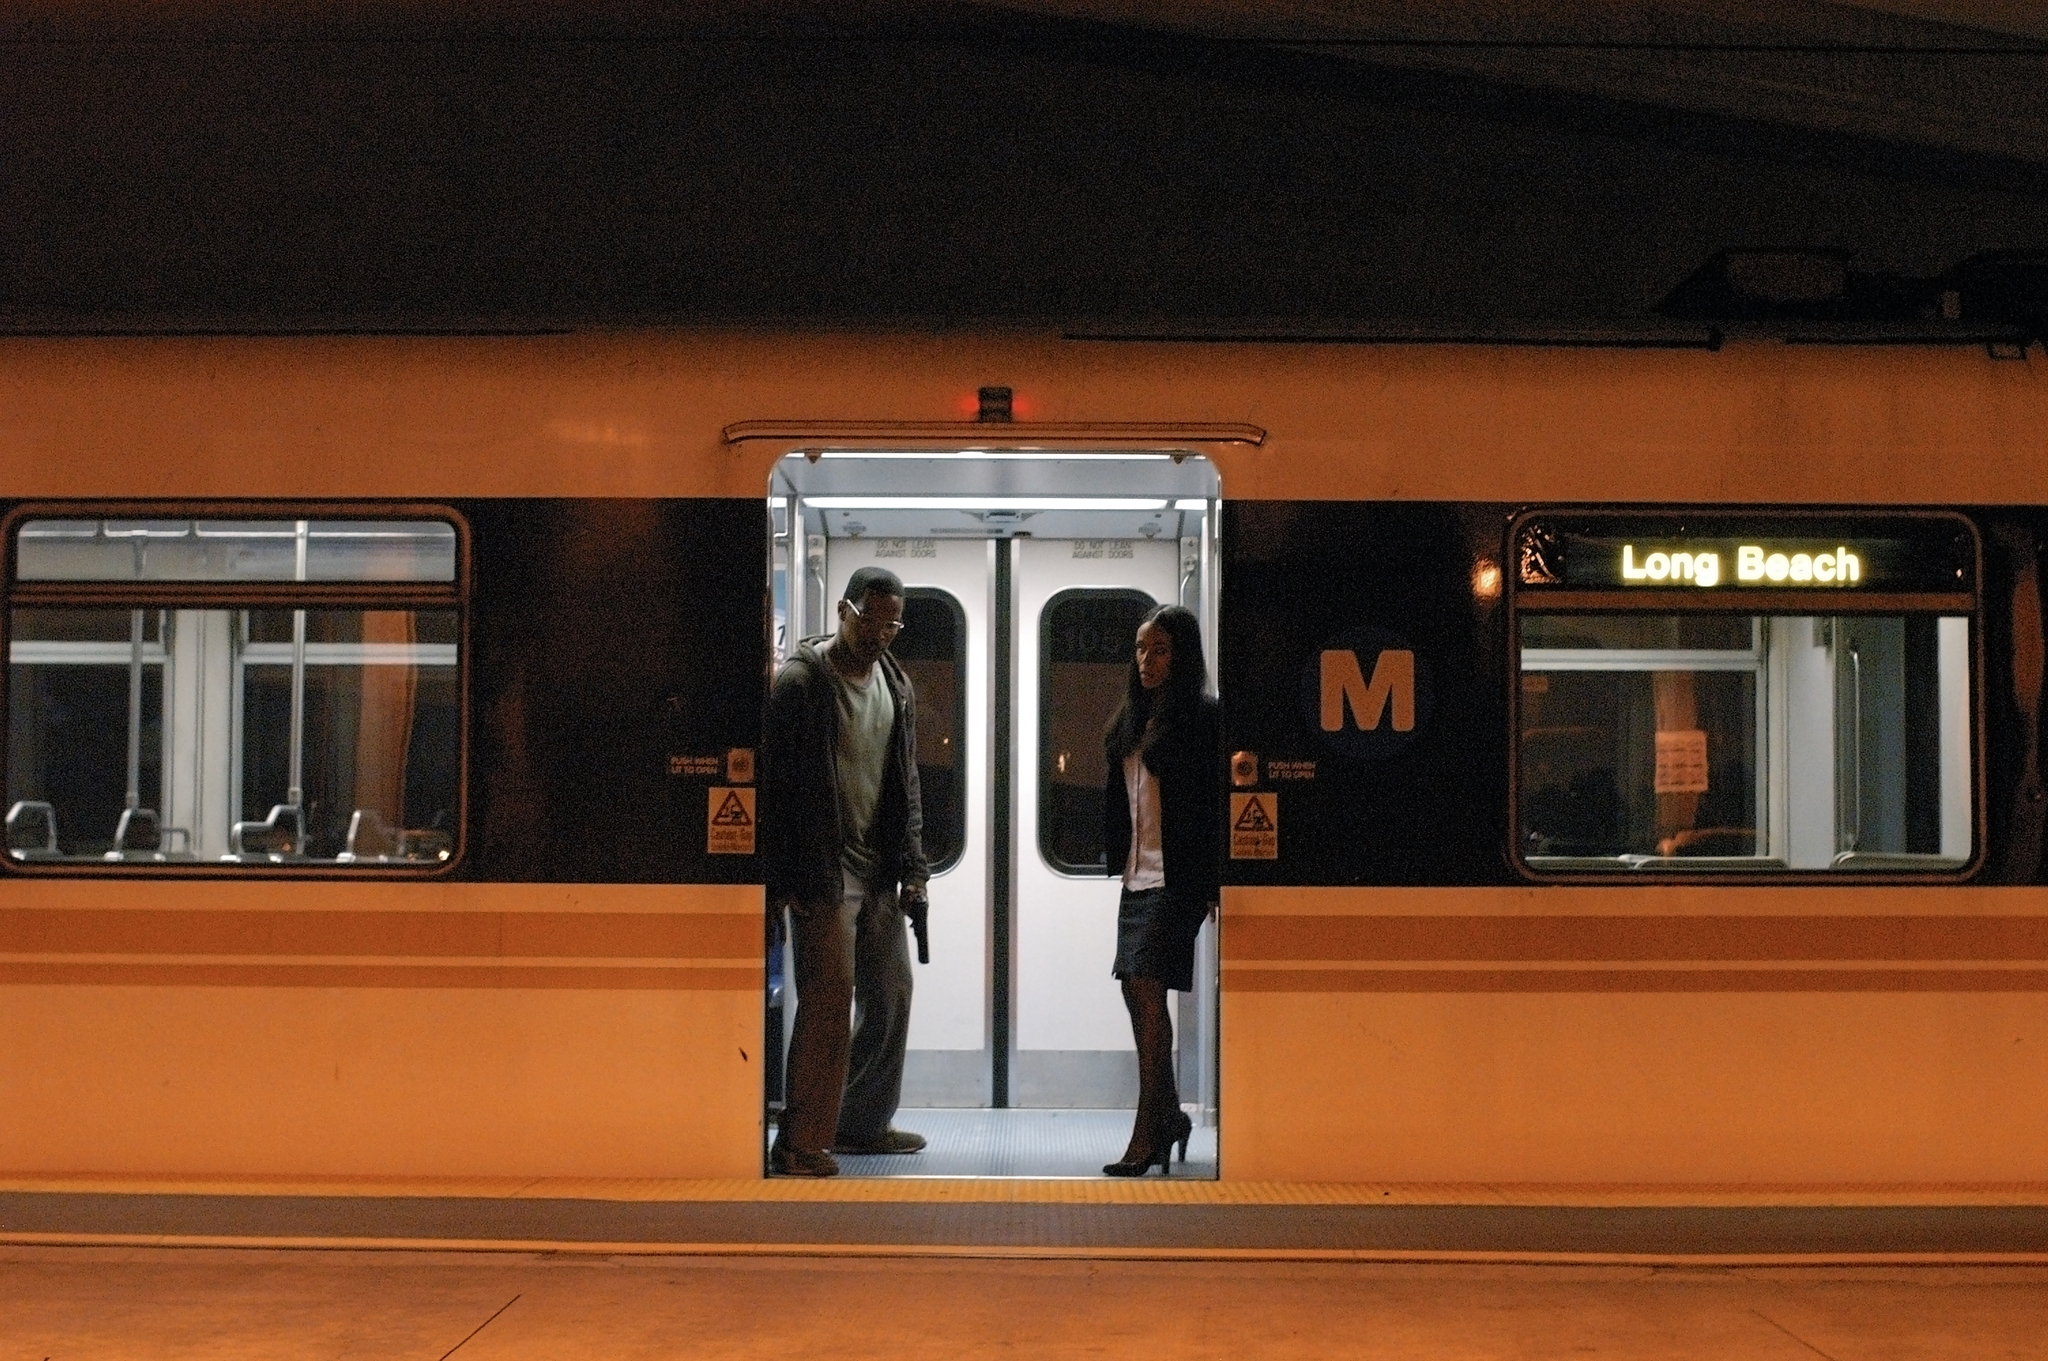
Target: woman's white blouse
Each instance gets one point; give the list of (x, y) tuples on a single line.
[(1145, 867)]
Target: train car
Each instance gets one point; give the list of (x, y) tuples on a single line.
[(1632, 755)]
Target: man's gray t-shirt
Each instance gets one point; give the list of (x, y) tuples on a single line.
[(867, 714)]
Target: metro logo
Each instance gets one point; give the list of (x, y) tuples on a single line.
[(1366, 696), (1392, 688)]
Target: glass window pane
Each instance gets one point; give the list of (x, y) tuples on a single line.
[(1684, 631), (380, 740), (1647, 763), (933, 650), (235, 550), (1086, 639), (379, 744), (68, 749), (1779, 742)]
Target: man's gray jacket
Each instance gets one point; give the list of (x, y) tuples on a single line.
[(801, 837)]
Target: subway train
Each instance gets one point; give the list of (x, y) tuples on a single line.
[(1632, 754)]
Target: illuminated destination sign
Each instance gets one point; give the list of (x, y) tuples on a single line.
[(1694, 554), (1755, 564)]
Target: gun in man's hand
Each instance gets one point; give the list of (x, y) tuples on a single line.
[(918, 909)]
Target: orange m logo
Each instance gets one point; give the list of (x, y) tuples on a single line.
[(1392, 687)]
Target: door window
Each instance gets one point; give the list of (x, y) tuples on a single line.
[(1085, 645), (933, 650)]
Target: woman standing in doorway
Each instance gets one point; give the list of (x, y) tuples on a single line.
[(1160, 826)]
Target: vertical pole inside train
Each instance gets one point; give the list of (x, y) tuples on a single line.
[(296, 795), (1000, 831), (134, 796)]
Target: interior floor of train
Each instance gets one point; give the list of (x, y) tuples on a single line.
[(1021, 1143)]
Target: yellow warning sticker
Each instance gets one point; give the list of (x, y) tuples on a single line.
[(729, 828), (1255, 826)]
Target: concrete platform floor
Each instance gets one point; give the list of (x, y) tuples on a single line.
[(175, 1304)]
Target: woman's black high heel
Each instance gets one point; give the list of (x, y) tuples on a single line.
[(1138, 1164), (1175, 1129), (1179, 1128)]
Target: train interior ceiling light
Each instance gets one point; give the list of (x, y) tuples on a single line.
[(964, 493)]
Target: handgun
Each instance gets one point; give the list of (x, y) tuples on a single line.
[(918, 908)]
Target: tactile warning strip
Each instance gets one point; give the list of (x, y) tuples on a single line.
[(1152, 1190)]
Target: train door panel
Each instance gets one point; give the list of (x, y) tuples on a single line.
[(1077, 607)]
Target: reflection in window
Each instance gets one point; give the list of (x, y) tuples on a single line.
[(1086, 638), (1700, 742), (933, 650)]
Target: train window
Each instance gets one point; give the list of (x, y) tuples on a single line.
[(176, 697), (1805, 721), (1084, 657), (933, 649), (235, 550)]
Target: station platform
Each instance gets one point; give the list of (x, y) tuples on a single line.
[(211, 1304)]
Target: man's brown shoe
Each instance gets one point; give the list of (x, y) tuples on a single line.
[(786, 1160), (890, 1140)]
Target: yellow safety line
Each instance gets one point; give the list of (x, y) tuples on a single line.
[(1148, 1252), (1045, 1191)]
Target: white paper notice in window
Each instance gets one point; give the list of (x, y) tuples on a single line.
[(1682, 762)]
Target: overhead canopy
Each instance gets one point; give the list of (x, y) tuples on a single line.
[(1967, 76)]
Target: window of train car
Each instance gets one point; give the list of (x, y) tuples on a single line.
[(1084, 660), (1730, 692), (933, 649), (223, 692)]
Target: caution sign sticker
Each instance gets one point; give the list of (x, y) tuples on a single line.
[(729, 825), (1255, 826)]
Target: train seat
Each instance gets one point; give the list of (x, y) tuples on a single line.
[(279, 837), (141, 836), (32, 831), (371, 840)]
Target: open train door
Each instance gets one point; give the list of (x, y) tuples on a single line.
[(1027, 562)]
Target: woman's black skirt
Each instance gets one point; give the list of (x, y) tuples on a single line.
[(1155, 937)]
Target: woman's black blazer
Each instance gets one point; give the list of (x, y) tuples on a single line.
[(1186, 760)]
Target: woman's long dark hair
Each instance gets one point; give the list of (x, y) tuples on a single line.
[(1142, 718)]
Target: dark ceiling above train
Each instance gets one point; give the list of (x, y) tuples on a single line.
[(1322, 165)]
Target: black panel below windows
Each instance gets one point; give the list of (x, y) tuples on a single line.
[(618, 654)]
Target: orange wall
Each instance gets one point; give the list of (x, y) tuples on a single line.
[(640, 415), (1645, 1035), (358, 1029)]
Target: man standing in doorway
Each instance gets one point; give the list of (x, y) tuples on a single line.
[(842, 830)]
